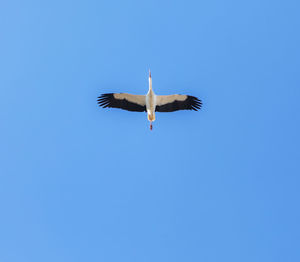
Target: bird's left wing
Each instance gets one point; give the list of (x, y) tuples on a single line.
[(124, 101), (177, 102)]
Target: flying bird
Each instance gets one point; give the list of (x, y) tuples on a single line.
[(150, 102)]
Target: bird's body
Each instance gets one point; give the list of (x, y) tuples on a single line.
[(150, 102)]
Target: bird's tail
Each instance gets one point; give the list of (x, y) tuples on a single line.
[(151, 117)]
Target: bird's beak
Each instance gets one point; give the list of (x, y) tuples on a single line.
[(149, 73)]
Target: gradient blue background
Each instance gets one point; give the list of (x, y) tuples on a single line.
[(81, 183)]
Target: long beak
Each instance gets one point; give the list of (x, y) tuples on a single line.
[(149, 73)]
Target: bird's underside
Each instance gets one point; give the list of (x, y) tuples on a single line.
[(137, 103), (149, 103)]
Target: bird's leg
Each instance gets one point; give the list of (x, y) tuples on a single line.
[(151, 125)]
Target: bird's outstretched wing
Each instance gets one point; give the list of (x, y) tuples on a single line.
[(177, 102), (124, 101)]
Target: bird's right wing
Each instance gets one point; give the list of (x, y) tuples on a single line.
[(124, 101)]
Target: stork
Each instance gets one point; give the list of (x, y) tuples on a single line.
[(150, 102)]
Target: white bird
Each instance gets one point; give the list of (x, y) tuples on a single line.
[(149, 103)]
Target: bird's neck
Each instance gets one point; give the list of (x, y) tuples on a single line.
[(150, 85)]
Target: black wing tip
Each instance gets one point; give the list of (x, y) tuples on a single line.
[(106, 95), (104, 100), (196, 103)]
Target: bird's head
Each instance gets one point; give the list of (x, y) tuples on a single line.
[(150, 80)]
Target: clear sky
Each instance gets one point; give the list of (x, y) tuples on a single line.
[(82, 183)]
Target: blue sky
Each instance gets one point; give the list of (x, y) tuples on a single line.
[(81, 183)]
